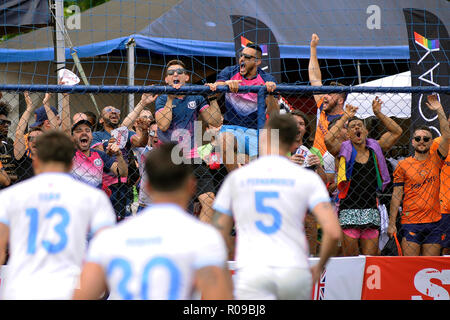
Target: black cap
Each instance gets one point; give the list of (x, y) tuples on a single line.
[(82, 121)]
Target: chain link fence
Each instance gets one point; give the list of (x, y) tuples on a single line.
[(361, 142)]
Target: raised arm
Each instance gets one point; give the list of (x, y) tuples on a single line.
[(52, 118), (332, 141), (65, 114), (19, 141), (140, 139), (120, 167), (389, 138), (434, 104), (146, 100), (315, 76)]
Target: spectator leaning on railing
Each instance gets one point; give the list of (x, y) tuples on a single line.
[(241, 114), (176, 116)]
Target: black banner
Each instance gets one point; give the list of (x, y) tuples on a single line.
[(22, 15), (248, 29), (429, 49)]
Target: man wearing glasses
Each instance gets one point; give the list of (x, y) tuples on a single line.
[(416, 181), (6, 148), (120, 191), (241, 115), (177, 119)]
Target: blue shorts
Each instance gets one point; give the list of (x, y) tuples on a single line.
[(247, 139), (445, 228), (422, 233)]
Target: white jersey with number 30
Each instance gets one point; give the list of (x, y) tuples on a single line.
[(268, 200), (49, 217), (154, 256)]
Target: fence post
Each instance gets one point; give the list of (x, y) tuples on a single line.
[(261, 112)]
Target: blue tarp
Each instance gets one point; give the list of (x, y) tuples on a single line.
[(186, 47)]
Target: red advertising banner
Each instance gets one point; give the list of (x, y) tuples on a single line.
[(406, 278)]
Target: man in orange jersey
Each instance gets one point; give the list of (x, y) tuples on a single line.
[(416, 180), (329, 106), (444, 197)]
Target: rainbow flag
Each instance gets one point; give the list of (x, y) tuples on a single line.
[(430, 44)]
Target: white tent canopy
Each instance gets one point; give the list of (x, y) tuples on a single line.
[(394, 104)]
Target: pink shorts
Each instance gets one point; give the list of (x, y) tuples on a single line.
[(361, 234)]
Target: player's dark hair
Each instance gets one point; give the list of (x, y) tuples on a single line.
[(175, 62), (338, 84), (4, 108), (255, 47), (286, 125), (55, 146), (423, 127), (162, 172), (353, 119)]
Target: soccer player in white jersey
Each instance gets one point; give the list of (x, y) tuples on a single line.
[(164, 253), (268, 200), (46, 220)]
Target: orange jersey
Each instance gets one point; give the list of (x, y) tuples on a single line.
[(420, 180), (322, 127), (444, 193)]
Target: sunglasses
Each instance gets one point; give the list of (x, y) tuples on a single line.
[(179, 71), (152, 133), (112, 110), (425, 139), (5, 122), (246, 56)]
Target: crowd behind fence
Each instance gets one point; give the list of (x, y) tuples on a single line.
[(113, 142)]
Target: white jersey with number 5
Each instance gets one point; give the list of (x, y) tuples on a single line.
[(49, 218), (268, 200), (155, 255)]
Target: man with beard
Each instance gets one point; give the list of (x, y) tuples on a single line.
[(119, 189), (89, 164), (329, 106), (241, 115), (416, 181), (362, 172), (6, 148)]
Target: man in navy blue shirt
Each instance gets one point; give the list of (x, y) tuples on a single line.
[(177, 117), (241, 116)]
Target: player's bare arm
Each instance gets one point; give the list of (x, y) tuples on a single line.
[(92, 283), (214, 283), (4, 236), (223, 223)]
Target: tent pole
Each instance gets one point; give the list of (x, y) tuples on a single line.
[(59, 43), (359, 72), (131, 44)]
